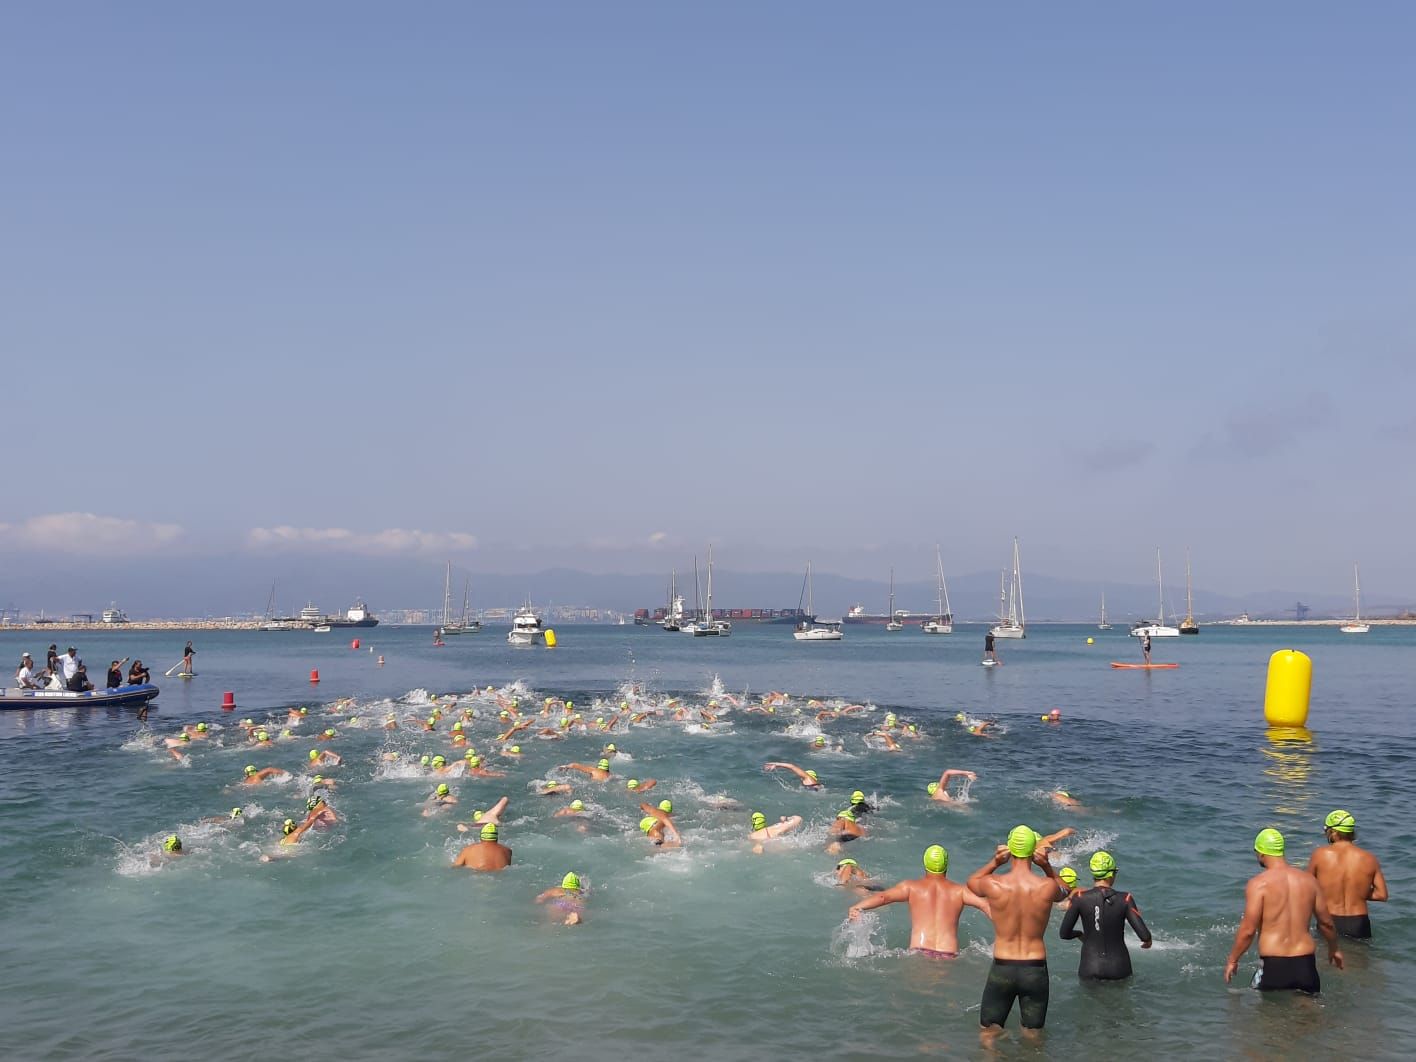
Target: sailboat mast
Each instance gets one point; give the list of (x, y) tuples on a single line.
[(1356, 595), (1018, 578), (1189, 597), (892, 593), (447, 594), (709, 614), (1160, 591)]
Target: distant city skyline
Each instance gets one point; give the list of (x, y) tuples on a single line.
[(336, 293)]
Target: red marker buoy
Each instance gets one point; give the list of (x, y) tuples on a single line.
[(354, 644), (228, 701), (314, 674)]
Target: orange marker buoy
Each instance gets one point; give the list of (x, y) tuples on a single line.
[(354, 644), (228, 701), (314, 674)]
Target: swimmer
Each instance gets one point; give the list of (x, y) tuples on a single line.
[(849, 875), (515, 728), (1068, 877), (481, 818), (199, 732), (575, 808), (935, 906), (255, 777), (659, 825), (891, 745), (441, 797), (860, 805), (599, 772), (487, 854), (808, 778), (843, 830), (390, 722), (978, 729), (641, 785), (761, 831), (1279, 903), (474, 768), (514, 751), (940, 790), (1020, 904), (329, 734), (1104, 914), (1350, 877), (551, 788), (324, 758), (318, 813), (236, 817), (1064, 799), (568, 898), (1054, 716), (819, 742), (171, 849), (175, 746)]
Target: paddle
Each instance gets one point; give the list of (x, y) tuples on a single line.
[(174, 667)]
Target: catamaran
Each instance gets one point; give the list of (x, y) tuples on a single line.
[(1188, 624), (1158, 629), (811, 629), (1013, 622), (943, 620), (1356, 626), (895, 622)]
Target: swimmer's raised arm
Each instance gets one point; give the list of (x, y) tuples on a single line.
[(899, 893), (953, 773), (1046, 843), (788, 766), (583, 768), (981, 880)]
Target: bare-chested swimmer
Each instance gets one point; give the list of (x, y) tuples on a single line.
[(255, 777), (762, 831), (599, 772), (940, 790), (1350, 877), (935, 906), (487, 854), (808, 778)]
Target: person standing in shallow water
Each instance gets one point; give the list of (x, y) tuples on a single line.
[(1279, 904), (1350, 877), (1103, 914), (1020, 904), (935, 906)]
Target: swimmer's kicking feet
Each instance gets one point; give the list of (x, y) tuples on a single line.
[(935, 906), (808, 778)]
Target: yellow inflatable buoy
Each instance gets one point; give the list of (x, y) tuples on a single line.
[(550, 638), (1091, 641), (1290, 684)]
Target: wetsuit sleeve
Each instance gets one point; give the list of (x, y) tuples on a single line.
[(1133, 916), (1068, 930)]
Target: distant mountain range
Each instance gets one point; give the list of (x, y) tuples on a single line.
[(240, 585)]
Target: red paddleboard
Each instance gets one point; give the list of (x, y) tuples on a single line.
[(1142, 667)]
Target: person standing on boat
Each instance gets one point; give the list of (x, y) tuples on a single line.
[(69, 666), (1146, 647), (51, 663)]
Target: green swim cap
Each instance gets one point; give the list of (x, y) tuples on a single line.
[(812, 775), (936, 859), (312, 803), (1341, 821), (287, 733), (633, 783), (647, 823), (819, 741), (474, 761), (571, 883), (201, 728), (577, 805), (186, 736), (932, 788), (515, 750), (1022, 842), (549, 784), (314, 754), (236, 813), (173, 843), (248, 722), (857, 797), (611, 747), (329, 733), (288, 826), (261, 735), (443, 790), (489, 832), (317, 779), (666, 806), (847, 863), (423, 761), (304, 711), (959, 717), (759, 820), (250, 769), (432, 720), (439, 761), (847, 814), (1103, 864), (604, 765), (457, 726), (1269, 842), (599, 719), (1068, 876)]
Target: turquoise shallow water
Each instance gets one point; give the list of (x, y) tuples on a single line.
[(366, 944)]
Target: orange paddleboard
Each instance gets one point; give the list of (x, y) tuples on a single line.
[(1142, 667)]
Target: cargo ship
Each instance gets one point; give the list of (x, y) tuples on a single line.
[(857, 614), (736, 615)]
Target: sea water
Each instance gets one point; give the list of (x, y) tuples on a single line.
[(364, 943)]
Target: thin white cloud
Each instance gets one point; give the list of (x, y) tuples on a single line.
[(393, 540), (88, 534)]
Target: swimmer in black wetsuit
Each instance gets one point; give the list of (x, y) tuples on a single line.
[(859, 805), (1103, 913)]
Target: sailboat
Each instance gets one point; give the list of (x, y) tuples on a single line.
[(447, 604), (1013, 623), (464, 625), (943, 621), (270, 623), (673, 619), (809, 628), (706, 626), (894, 623), (1188, 624), (1103, 624), (1356, 626), (1158, 629)]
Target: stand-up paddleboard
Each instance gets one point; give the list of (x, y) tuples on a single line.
[(1143, 667), (990, 663), (186, 674)]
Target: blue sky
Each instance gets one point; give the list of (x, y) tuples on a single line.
[(590, 285)]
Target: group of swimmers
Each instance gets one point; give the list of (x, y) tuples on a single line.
[(1016, 889)]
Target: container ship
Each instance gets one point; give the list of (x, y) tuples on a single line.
[(734, 615), (857, 614)]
